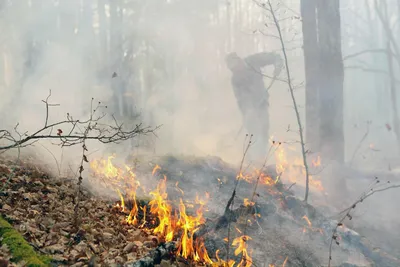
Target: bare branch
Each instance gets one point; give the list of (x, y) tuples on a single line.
[(75, 131)]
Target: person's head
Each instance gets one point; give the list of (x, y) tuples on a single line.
[(233, 61)]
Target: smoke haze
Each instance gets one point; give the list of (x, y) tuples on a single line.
[(169, 61)]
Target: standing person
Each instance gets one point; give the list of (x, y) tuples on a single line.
[(252, 96)]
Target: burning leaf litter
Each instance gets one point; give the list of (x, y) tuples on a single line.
[(172, 225), (130, 229)]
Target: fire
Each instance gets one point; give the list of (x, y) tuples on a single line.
[(284, 262), (221, 262), (281, 161), (122, 205), (310, 227), (242, 248), (105, 168), (307, 220), (172, 225), (163, 210), (247, 202), (134, 184), (144, 209), (295, 172), (155, 169), (189, 225), (316, 162), (177, 188)]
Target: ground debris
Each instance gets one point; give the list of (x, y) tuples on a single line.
[(42, 210)]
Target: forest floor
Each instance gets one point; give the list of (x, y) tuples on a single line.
[(283, 230)]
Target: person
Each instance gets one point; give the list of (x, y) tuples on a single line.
[(252, 96)]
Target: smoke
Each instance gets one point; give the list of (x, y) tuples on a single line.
[(169, 60), (176, 77)]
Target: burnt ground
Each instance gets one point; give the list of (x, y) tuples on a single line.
[(41, 208)]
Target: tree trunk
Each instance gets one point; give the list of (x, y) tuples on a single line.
[(331, 77), (310, 48)]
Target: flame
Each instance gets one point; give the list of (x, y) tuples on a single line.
[(155, 169), (294, 172), (241, 243), (311, 228), (105, 168), (316, 162), (248, 203), (201, 252), (144, 209), (122, 205), (221, 262), (134, 185), (281, 161), (163, 210), (189, 226), (180, 190), (307, 220), (284, 262), (172, 224)]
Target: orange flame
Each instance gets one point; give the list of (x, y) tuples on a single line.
[(122, 205), (248, 203), (295, 171), (307, 220), (241, 243), (155, 169), (163, 210), (134, 184), (172, 224), (285, 261), (316, 162)]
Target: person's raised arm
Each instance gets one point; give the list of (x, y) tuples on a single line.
[(263, 59)]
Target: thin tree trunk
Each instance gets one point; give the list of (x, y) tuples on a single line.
[(331, 77), (310, 47)]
